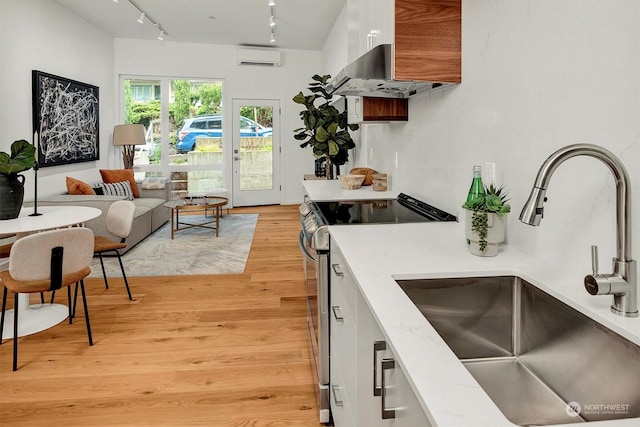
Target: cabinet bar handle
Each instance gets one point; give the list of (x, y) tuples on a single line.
[(337, 313), (377, 346), (337, 270), (336, 395), (387, 364)]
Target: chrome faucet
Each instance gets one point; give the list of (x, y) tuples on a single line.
[(622, 283)]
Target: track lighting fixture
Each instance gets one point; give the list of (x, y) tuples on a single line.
[(144, 15), (272, 22)]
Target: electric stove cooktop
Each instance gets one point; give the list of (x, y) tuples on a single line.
[(404, 209)]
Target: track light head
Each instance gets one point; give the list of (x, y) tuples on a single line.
[(141, 19), (272, 21), (161, 35)]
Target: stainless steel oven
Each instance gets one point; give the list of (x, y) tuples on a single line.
[(316, 270), (315, 218)]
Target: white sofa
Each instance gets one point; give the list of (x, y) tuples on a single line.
[(149, 216)]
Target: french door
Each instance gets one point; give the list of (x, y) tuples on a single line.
[(256, 152)]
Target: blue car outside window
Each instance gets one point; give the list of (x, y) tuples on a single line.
[(212, 128)]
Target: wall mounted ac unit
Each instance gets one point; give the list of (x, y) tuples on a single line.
[(264, 57)]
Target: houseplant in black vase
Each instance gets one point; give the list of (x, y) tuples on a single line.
[(22, 158), (326, 129)]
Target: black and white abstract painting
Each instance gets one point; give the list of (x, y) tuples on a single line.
[(66, 119)]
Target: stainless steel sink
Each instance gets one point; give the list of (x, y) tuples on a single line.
[(536, 357)]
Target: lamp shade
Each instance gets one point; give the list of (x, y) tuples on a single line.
[(128, 135)]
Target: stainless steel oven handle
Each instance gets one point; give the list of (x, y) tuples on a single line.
[(304, 250), (387, 364), (377, 346)]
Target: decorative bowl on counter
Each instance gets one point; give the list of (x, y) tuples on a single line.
[(352, 181)]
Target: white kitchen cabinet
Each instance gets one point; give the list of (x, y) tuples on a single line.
[(358, 349), (376, 23), (372, 349), (426, 35), (401, 396), (342, 327), (341, 406)]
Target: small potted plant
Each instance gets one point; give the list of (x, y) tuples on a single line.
[(22, 158), (485, 222)]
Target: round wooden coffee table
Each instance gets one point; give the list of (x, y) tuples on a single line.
[(193, 204)]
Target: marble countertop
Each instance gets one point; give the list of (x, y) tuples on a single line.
[(379, 254), (331, 190)]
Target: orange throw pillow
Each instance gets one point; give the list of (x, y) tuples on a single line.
[(111, 176), (77, 187)]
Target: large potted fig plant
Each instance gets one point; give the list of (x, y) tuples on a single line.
[(22, 158), (326, 129)]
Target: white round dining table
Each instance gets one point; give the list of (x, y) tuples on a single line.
[(38, 317)]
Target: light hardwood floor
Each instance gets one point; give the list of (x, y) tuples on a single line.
[(219, 350)]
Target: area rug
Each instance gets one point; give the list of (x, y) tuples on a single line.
[(192, 251)]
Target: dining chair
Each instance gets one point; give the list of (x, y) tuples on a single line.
[(6, 241), (44, 262), (118, 222), (5, 251)]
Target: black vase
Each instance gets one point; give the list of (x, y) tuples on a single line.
[(11, 195)]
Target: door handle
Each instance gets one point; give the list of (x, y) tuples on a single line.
[(337, 313), (337, 270), (373, 34), (387, 364), (336, 395), (377, 346)]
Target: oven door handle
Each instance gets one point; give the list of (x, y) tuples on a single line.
[(303, 249)]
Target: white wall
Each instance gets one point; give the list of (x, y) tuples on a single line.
[(191, 60), (335, 50), (537, 75), (41, 35)]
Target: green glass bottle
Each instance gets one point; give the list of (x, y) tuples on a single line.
[(476, 192)]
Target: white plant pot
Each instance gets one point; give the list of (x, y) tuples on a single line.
[(495, 234)]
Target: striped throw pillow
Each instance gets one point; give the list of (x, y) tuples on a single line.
[(117, 189)]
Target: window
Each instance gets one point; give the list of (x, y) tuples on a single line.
[(145, 90), (179, 141), (214, 124), (198, 124)]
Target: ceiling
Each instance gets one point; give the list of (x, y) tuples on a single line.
[(300, 24)]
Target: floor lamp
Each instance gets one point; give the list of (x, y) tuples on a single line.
[(127, 136)]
